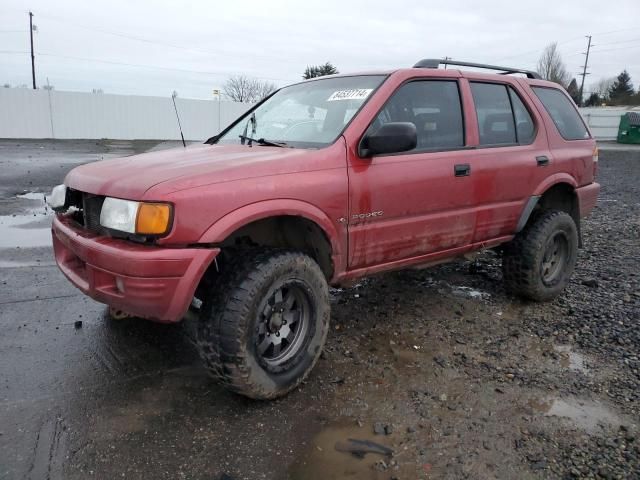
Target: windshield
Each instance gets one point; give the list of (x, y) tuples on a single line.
[(306, 115)]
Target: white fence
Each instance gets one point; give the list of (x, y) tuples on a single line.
[(28, 113), (604, 121), (51, 114)]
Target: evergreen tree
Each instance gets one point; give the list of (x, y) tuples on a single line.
[(314, 71), (594, 100), (621, 92), (574, 91)]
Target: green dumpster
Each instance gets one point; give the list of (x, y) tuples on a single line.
[(629, 131)]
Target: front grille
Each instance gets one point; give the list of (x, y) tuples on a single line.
[(85, 209), (92, 205)]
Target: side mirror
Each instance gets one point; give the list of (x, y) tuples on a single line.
[(393, 137)]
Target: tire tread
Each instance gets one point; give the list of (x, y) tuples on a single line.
[(520, 257), (222, 327)]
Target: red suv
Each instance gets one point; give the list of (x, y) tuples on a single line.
[(324, 182)]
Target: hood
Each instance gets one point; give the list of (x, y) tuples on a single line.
[(182, 168)]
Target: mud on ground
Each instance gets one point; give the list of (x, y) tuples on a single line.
[(441, 365)]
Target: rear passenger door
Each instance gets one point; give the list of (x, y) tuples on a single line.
[(511, 155), (418, 202)]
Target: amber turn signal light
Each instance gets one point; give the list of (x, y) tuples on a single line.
[(153, 218)]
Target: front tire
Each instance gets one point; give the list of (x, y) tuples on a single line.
[(539, 262), (263, 324)]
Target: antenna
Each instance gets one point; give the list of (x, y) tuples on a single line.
[(173, 97)]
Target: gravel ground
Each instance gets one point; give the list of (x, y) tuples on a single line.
[(458, 378), (509, 388)]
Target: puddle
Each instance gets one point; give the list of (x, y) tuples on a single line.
[(29, 229), (405, 353), (21, 264), (25, 231), (32, 196), (469, 292), (323, 462), (572, 360), (583, 413)]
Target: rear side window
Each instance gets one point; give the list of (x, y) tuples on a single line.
[(563, 113), (433, 106), (525, 128), (495, 118)]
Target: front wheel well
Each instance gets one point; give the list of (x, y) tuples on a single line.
[(284, 232)]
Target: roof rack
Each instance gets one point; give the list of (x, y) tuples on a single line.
[(436, 62)]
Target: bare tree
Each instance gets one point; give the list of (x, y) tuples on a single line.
[(241, 88), (602, 87), (264, 89), (551, 67)]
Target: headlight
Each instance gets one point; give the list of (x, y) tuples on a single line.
[(135, 217), (58, 197)]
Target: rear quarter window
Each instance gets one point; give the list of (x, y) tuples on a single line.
[(563, 113)]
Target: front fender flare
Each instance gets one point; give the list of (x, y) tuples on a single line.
[(247, 214)]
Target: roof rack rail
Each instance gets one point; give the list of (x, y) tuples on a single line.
[(436, 62)]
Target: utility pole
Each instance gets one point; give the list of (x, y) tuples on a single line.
[(584, 70), (446, 59), (33, 58)]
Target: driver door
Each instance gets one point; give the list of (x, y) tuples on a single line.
[(416, 203)]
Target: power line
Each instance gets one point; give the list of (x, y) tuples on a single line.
[(622, 41), (633, 47), (154, 42), (109, 62), (157, 42), (568, 41), (537, 50), (616, 31)]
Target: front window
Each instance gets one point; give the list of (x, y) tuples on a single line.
[(306, 115), (434, 107)]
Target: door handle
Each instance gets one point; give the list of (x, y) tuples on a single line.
[(542, 160), (462, 170)]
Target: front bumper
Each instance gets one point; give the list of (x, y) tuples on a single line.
[(147, 281)]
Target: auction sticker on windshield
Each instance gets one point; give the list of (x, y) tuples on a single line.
[(353, 94)]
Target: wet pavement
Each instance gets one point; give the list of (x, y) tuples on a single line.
[(441, 366)]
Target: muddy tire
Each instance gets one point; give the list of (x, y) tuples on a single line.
[(539, 262), (263, 324)]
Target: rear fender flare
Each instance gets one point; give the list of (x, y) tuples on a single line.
[(554, 179), (544, 186)]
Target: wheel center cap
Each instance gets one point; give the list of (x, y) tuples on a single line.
[(275, 322)]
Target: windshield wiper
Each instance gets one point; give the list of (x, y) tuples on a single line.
[(254, 123), (260, 141)]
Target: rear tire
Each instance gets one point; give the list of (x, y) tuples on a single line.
[(262, 326), (539, 262)]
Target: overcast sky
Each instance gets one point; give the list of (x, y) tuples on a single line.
[(154, 48)]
